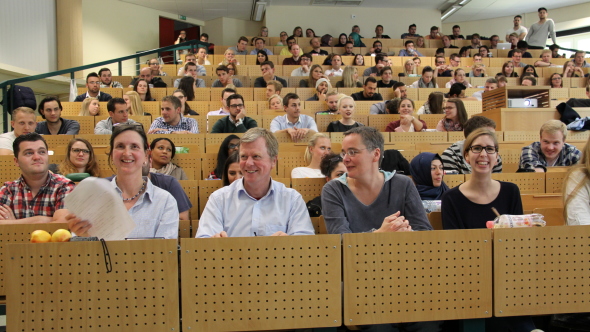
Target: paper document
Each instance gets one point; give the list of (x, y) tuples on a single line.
[(97, 201)]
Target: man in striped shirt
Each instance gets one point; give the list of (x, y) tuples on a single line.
[(172, 121)]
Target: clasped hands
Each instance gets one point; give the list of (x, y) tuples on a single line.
[(394, 223)]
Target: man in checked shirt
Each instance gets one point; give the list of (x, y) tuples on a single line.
[(38, 195), (172, 121)]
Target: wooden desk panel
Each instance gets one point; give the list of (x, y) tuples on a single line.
[(524, 119), (417, 276), (261, 283)]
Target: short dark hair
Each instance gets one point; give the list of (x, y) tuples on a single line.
[(476, 122), (434, 27), (408, 42), (530, 78), (379, 26), (222, 67), (102, 69), (93, 74), (377, 41), (518, 16), (307, 55), (46, 100), (517, 50), (348, 42), (329, 163), (456, 26), (118, 130), (242, 38), (454, 55), (257, 39), (477, 54), (113, 101), (234, 96), (522, 44), (397, 85), (553, 47), (370, 79), (412, 25), (174, 100), (542, 8), (227, 90), (205, 35), (156, 140), (30, 137), (475, 34), (379, 57), (290, 38), (492, 37), (456, 89), (440, 50), (288, 97), (272, 65)]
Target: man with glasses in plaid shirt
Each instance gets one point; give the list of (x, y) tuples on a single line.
[(38, 195)]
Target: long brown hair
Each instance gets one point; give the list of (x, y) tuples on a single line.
[(66, 167)]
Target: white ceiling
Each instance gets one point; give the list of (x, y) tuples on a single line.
[(206, 10)]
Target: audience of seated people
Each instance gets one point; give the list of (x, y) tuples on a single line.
[(236, 121)]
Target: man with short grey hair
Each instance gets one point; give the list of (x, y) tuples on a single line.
[(255, 205)]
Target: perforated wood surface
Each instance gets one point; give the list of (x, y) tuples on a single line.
[(417, 276), (55, 286), (423, 136), (261, 283), (18, 234), (9, 170), (554, 182), (528, 183), (541, 270), (191, 188), (308, 188)]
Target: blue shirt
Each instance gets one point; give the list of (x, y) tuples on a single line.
[(405, 53), (233, 210), (186, 124), (281, 122), (155, 213)]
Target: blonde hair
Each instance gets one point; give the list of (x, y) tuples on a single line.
[(552, 126), (272, 144), (582, 166), (224, 61), (85, 105), (23, 109), (273, 97), (136, 106), (311, 143), (413, 72), (348, 76), (341, 98)]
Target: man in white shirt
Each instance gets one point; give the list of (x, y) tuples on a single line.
[(336, 66), (520, 30), (297, 125), (23, 122), (224, 110), (538, 32), (306, 60)]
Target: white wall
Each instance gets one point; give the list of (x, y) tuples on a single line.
[(28, 38), (499, 26), (226, 31), (336, 20), (115, 28)]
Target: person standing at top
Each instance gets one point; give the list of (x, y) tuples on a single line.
[(538, 32)]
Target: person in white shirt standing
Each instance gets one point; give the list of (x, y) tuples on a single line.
[(538, 32), (518, 29)]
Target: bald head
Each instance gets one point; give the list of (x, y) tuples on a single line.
[(146, 73)]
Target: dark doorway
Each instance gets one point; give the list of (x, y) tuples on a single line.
[(169, 32)]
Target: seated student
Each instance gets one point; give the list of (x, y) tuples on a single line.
[(469, 206), (545, 59), (529, 70), (381, 60), (400, 91), (38, 195), (268, 73), (491, 84), (569, 70), (332, 98), (528, 81), (154, 210), (523, 46), (455, 116), (118, 114), (315, 73), (146, 74), (346, 107), (259, 44), (369, 91), (229, 145), (409, 49), (576, 193), (162, 152), (106, 79), (90, 107), (508, 69), (459, 77), (231, 169), (478, 70), (332, 167), (318, 146), (24, 122), (556, 81), (224, 110), (134, 105), (143, 89), (273, 88), (172, 121), (224, 78), (427, 173), (50, 109), (407, 121), (297, 125), (229, 57), (484, 51), (79, 159), (409, 69), (457, 90), (434, 104), (502, 81), (234, 211), (322, 87), (295, 60), (356, 39), (452, 157), (275, 102), (348, 48), (190, 70), (93, 86), (426, 80), (305, 61), (237, 121), (185, 108), (386, 80), (349, 78), (336, 66), (573, 102), (551, 150)]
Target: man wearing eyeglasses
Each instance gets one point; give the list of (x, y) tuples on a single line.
[(156, 68), (38, 194), (443, 70), (236, 121), (172, 121), (93, 86), (305, 61), (50, 109)]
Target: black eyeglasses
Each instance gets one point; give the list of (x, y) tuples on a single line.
[(478, 149), (77, 151), (236, 105)]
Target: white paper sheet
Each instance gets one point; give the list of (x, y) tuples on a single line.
[(96, 200)]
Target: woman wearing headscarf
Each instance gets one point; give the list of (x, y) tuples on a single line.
[(427, 172), (356, 39)]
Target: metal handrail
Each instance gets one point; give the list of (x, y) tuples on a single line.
[(5, 85)]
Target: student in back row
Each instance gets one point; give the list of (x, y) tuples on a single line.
[(236, 121), (50, 109), (24, 122)]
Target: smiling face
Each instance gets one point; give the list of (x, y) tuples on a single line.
[(363, 161), (437, 172), (482, 162), (128, 153), (78, 155), (552, 144), (346, 108), (359, 60), (32, 158), (451, 111), (405, 107), (509, 69), (256, 163)]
